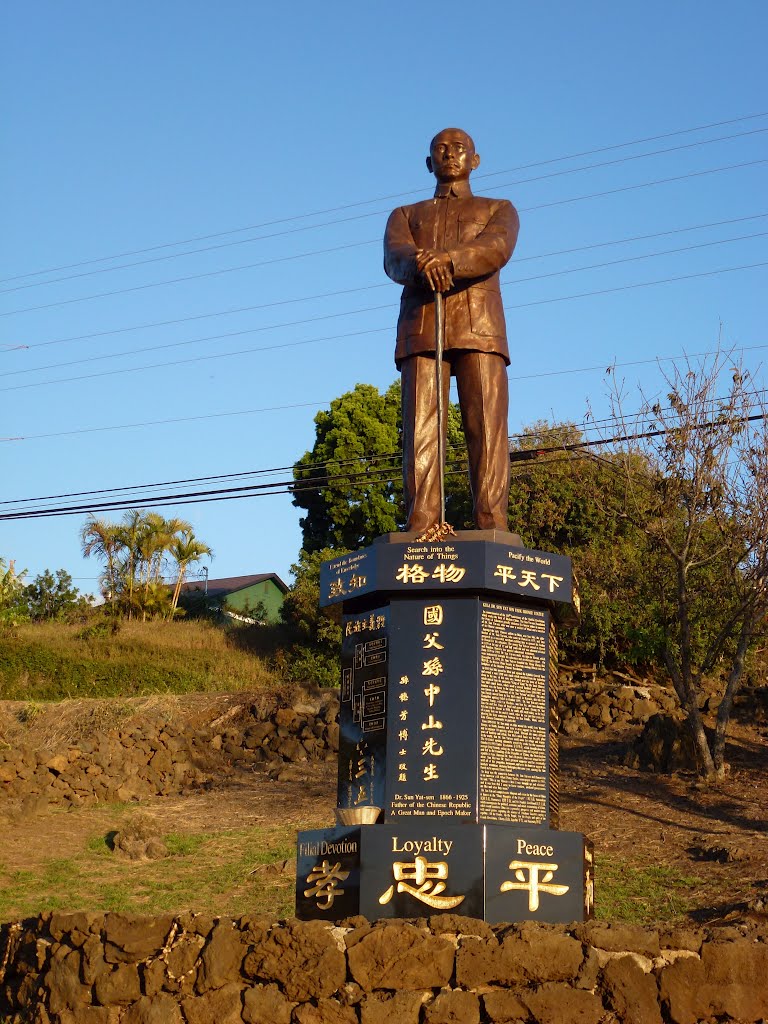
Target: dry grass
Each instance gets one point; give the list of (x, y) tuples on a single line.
[(53, 661), (226, 849), (216, 873)]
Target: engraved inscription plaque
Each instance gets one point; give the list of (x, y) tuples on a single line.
[(515, 743)]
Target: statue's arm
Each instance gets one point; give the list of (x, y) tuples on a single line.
[(400, 250), (491, 249)]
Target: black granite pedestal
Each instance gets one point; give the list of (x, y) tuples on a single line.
[(448, 766)]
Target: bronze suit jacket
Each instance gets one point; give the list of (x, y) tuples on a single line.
[(479, 235)]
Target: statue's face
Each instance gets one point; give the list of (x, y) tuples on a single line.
[(452, 156)]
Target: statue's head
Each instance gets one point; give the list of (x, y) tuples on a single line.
[(452, 155)]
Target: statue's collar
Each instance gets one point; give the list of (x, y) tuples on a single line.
[(459, 189)]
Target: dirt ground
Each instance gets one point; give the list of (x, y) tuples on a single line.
[(716, 836)]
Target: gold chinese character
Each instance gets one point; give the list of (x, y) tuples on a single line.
[(362, 795), (431, 723), (403, 767), (402, 777), (448, 573), (403, 735), (432, 667), (402, 751), (433, 615), (432, 747), (336, 588), (432, 691), (430, 640), (404, 680), (529, 579), (411, 574), (506, 572), (326, 883), (534, 884), (428, 882), (363, 755), (356, 582), (403, 696), (380, 622), (554, 581), (430, 772), (404, 715)]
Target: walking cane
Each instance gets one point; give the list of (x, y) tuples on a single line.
[(439, 346)]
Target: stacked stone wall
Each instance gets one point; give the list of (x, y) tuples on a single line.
[(120, 969), (160, 753), (157, 754)]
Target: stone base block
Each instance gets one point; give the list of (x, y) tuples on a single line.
[(492, 872)]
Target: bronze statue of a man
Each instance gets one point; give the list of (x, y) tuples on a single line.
[(455, 244)]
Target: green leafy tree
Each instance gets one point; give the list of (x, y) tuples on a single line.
[(52, 596), (349, 483)]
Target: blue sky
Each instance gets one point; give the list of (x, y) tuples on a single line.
[(130, 126)]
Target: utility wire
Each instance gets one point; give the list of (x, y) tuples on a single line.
[(518, 260), (519, 305), (504, 283), (257, 238), (527, 442), (293, 487), (301, 405), (540, 206), (368, 459), (378, 199)]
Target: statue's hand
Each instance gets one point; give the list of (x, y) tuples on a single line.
[(436, 268)]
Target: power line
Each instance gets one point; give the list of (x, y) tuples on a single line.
[(292, 487), (378, 199), (368, 459), (282, 408), (310, 471), (519, 305), (633, 259), (509, 281), (540, 206), (257, 238), (637, 238), (518, 260)]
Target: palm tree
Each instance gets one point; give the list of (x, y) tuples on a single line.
[(151, 545), (172, 528), (129, 533), (101, 538), (186, 549)]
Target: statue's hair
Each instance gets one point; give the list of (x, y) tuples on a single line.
[(443, 130)]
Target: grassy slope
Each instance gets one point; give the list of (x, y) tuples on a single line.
[(53, 661)]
